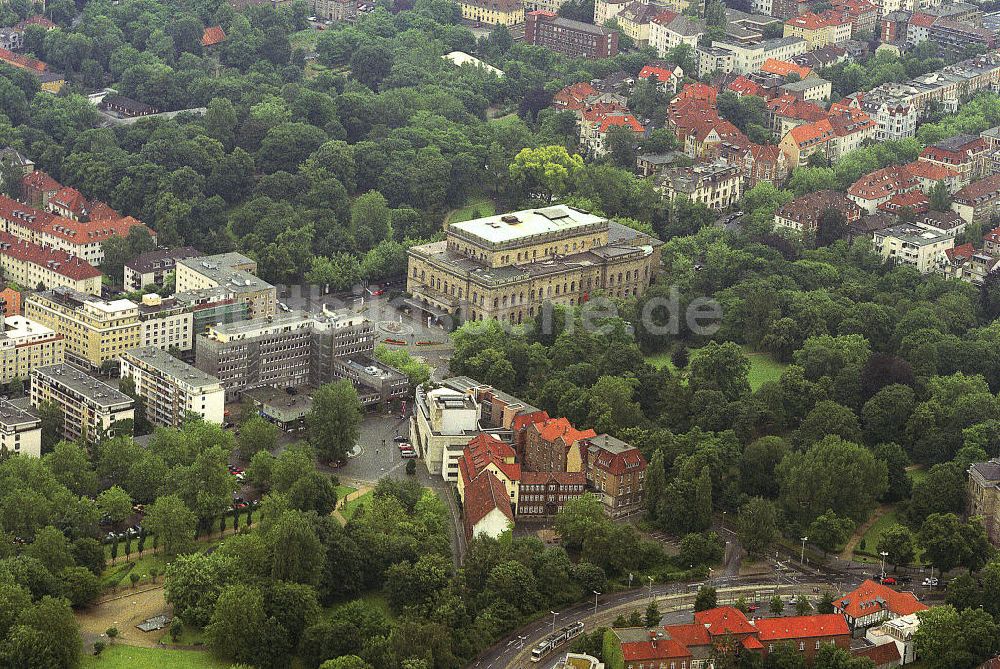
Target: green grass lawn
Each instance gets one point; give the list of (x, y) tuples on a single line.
[(344, 490), (118, 573), (873, 534), (130, 657), (189, 636), (478, 203), (351, 507), (305, 39), (763, 366)]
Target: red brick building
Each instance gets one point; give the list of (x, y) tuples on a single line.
[(547, 446), (617, 472), (573, 38)]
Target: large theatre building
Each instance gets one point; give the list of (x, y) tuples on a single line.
[(505, 267)]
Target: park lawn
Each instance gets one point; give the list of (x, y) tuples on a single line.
[(873, 534), (119, 656), (305, 39), (479, 203), (118, 573), (189, 636), (344, 490), (350, 508), (763, 366)]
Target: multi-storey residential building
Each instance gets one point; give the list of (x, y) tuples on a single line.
[(554, 445), (96, 331), (878, 187), (35, 266), (862, 14), (171, 389), (444, 421), (334, 10), (893, 641), (967, 264), (605, 10), (617, 472), (10, 301), (150, 269), (788, 111), (92, 410), (895, 121), (81, 238), (748, 58), (232, 271), (165, 323), (844, 130), (912, 245), (670, 29), (20, 431), (819, 30), (493, 12), (984, 496), (811, 89), (802, 214), (25, 345), (717, 185), (667, 76), (574, 38), (634, 20), (977, 202), (487, 453), (507, 266), (965, 154), (712, 59), (596, 125)]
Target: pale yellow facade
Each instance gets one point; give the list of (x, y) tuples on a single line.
[(493, 13)]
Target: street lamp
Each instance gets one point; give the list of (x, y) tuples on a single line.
[(802, 556), (884, 555), (596, 594), (554, 614), (650, 587)]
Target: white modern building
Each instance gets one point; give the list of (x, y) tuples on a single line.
[(91, 408), (20, 432), (171, 389), (443, 422)]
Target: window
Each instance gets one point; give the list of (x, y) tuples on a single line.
[(802, 645)]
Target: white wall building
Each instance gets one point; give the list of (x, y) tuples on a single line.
[(20, 432), (171, 389), (443, 422)]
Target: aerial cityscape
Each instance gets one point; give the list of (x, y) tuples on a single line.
[(497, 334)]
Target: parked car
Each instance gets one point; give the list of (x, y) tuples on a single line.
[(888, 580), (753, 607), (404, 445), (400, 439), (409, 455)]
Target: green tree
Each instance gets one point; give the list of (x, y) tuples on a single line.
[(549, 170), (948, 639), (777, 605), (346, 662), (897, 541), (172, 522), (940, 197), (334, 421), (52, 424), (115, 503), (829, 531), (193, 583), (705, 599), (238, 629), (723, 367), (757, 526), (256, 434)]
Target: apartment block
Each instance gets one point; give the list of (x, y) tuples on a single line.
[(716, 185), (150, 269), (212, 306), (573, 38), (20, 431), (25, 345), (334, 10), (166, 323), (748, 58), (96, 331), (233, 271), (172, 389), (92, 410), (617, 472), (493, 12), (911, 245), (31, 265)]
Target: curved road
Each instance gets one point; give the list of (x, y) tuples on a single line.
[(674, 599)]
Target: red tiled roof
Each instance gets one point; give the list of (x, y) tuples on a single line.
[(923, 169), (802, 627), (978, 189), (661, 73), (697, 91), (40, 181), (37, 20), (76, 232), (886, 654), (574, 97), (913, 199), (213, 35), (561, 428), (812, 133), (808, 21), (689, 635), (724, 620), (752, 643), (482, 495), (664, 18), (562, 478), (783, 68), (870, 597), (58, 261), (70, 199), (954, 154), (598, 111), (922, 20), (960, 253), (523, 420), (883, 183), (807, 209), (22, 61), (485, 450), (661, 649), (743, 86), (620, 121), (789, 106)]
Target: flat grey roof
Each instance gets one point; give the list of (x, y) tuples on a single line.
[(83, 384), (526, 223), (167, 364), (804, 84), (12, 416)]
